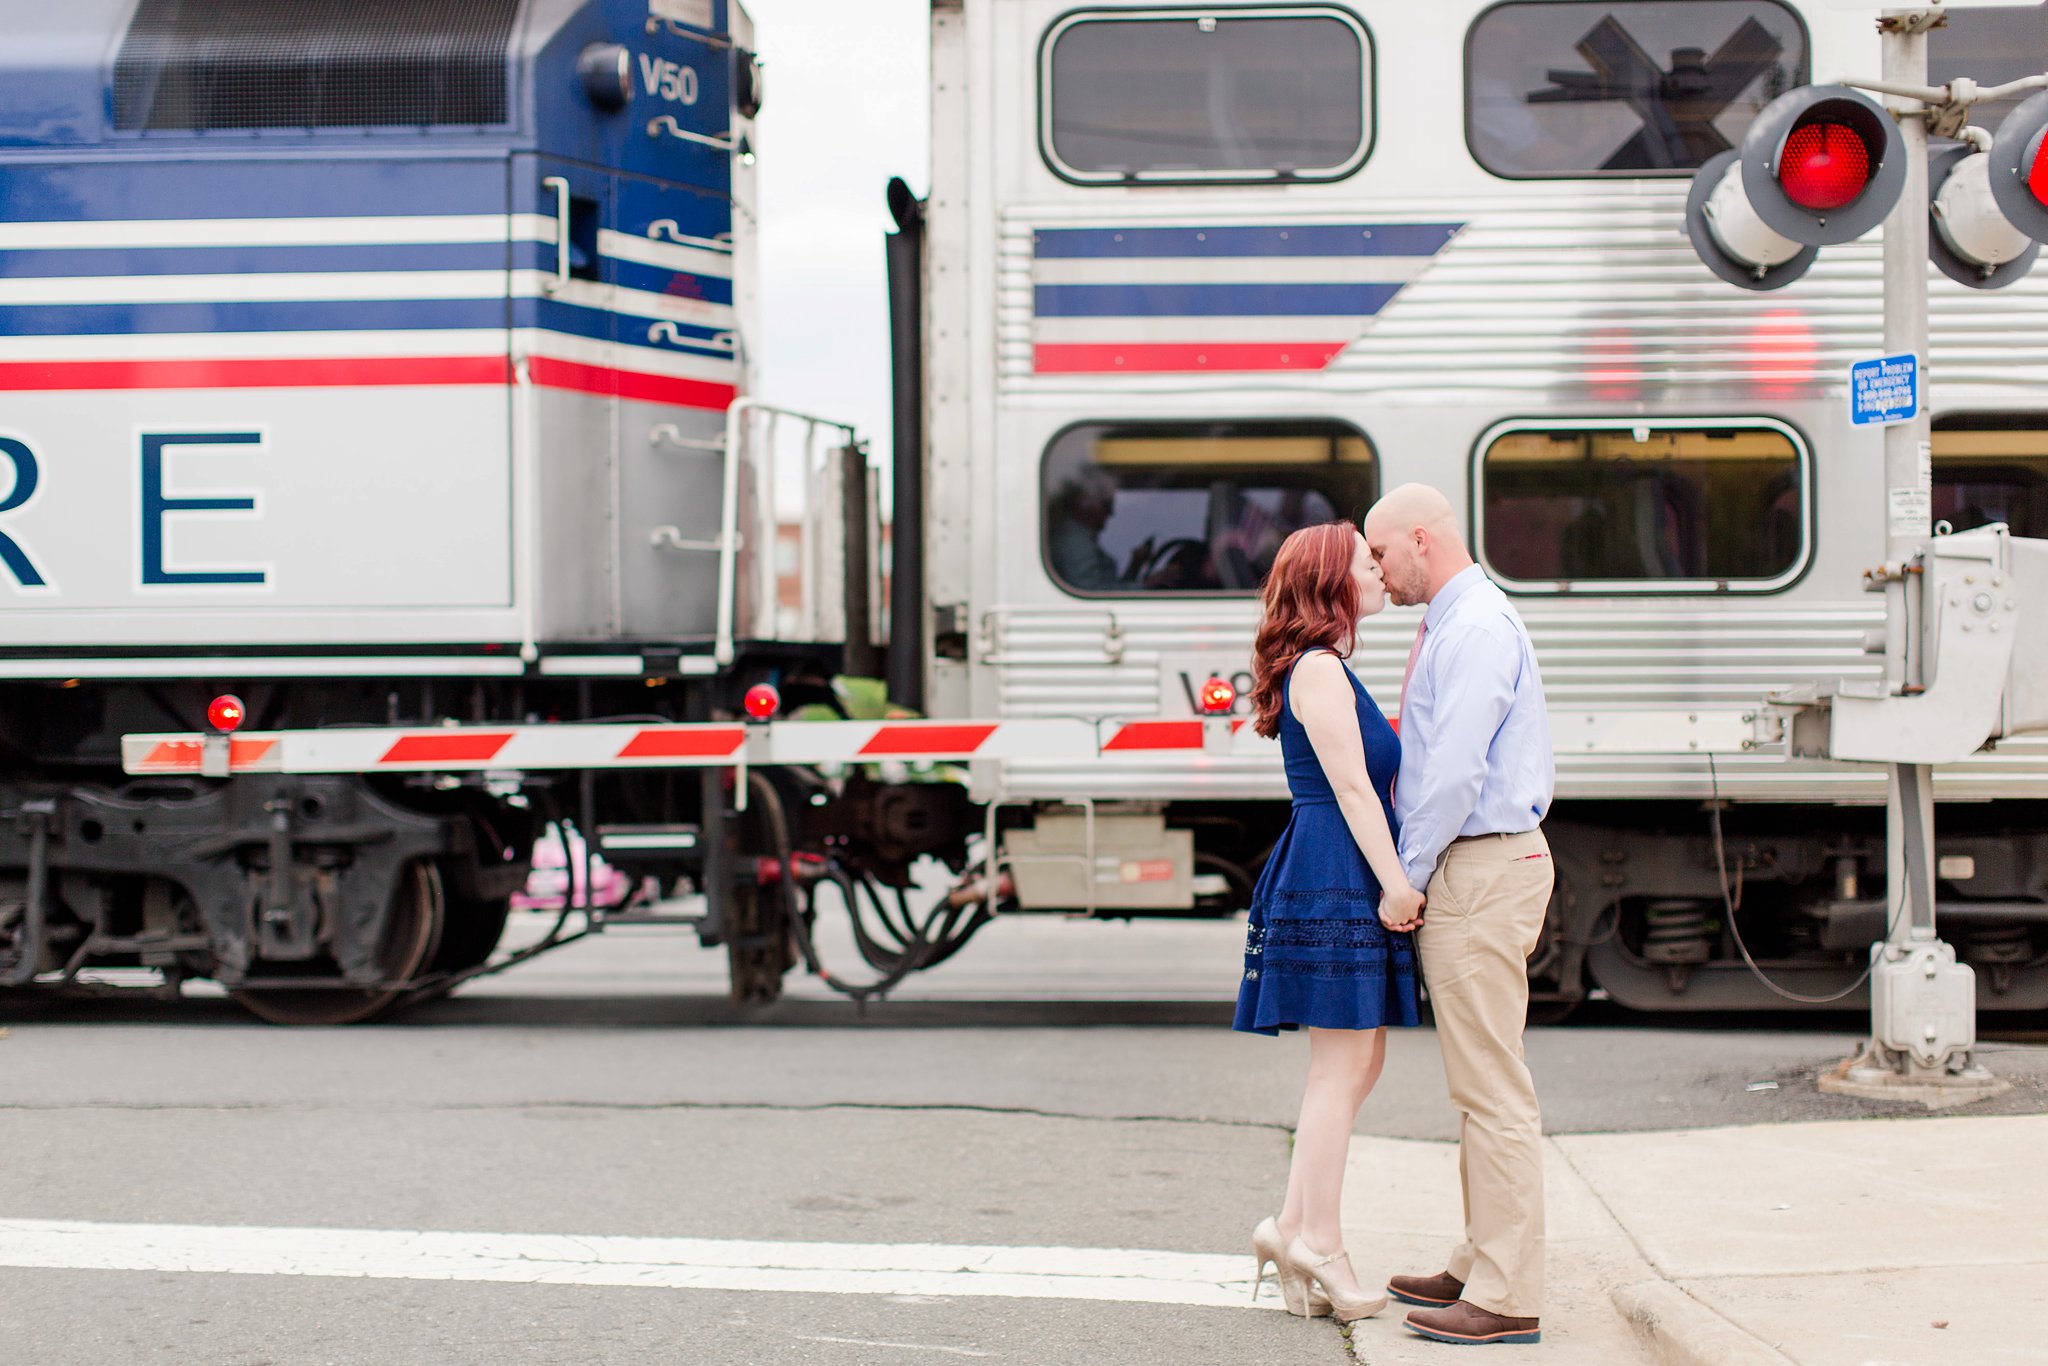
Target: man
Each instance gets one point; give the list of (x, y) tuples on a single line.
[(1076, 514), (1475, 782)]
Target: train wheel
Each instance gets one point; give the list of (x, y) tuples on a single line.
[(410, 938), (470, 932), (757, 947)]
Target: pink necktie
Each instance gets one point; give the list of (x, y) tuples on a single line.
[(1414, 653)]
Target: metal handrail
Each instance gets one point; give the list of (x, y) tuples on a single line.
[(560, 279), (655, 128), (736, 416)]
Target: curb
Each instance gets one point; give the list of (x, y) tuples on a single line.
[(1677, 1330)]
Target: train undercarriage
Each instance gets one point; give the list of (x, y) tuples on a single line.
[(336, 898)]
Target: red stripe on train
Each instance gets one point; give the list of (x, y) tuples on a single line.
[(1110, 358), (459, 748), (684, 744), (551, 373), (267, 373), (335, 372), (924, 739)]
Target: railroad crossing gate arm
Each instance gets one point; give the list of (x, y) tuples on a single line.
[(456, 749)]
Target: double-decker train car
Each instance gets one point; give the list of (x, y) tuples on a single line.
[(1200, 274)]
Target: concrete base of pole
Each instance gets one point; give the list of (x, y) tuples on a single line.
[(1872, 1075)]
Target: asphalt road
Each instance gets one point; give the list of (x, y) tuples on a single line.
[(1060, 1085)]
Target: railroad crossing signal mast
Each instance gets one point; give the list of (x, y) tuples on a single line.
[(1965, 614)]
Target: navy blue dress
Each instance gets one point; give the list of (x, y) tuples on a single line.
[(1316, 953)]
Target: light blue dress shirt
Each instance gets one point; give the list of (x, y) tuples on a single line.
[(1475, 735)]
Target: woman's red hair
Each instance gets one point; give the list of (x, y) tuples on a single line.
[(1311, 601)]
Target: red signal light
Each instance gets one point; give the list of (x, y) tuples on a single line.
[(762, 702), (226, 713), (2037, 178), (1825, 165), (1217, 697)]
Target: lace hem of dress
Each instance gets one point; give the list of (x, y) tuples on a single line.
[(1399, 969)]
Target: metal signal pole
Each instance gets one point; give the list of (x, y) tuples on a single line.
[(1923, 1004), (1908, 481)]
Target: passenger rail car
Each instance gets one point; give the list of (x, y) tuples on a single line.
[(1199, 274)]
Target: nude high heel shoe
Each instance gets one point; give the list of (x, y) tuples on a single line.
[(1296, 1292), (1302, 1261)]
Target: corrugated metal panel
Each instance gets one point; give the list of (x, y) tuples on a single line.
[(1592, 290), (1595, 656)]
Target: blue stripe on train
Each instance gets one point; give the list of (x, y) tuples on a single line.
[(349, 315), (110, 262), (1353, 239), (281, 187), (1211, 301), (341, 315), (682, 284), (555, 316)]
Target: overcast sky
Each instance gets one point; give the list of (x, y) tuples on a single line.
[(846, 108)]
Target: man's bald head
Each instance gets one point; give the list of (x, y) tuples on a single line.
[(1413, 532)]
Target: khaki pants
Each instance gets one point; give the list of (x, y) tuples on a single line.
[(1484, 913)]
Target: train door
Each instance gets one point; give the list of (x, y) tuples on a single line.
[(567, 334)]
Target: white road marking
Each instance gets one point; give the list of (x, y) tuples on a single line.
[(900, 1346), (1073, 1273)]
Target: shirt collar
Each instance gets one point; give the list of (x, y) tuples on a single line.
[(1460, 583)]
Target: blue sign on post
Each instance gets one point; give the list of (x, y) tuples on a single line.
[(1884, 391)]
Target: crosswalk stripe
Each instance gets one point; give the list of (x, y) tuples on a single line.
[(1075, 1273)]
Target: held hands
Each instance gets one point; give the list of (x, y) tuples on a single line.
[(1401, 907)]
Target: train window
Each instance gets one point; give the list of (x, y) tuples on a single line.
[(1990, 46), (1615, 506), (1992, 467), (1193, 507), (1624, 87), (1280, 93)]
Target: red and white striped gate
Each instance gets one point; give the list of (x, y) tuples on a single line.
[(571, 745)]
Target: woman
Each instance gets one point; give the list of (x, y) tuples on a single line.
[(1330, 947)]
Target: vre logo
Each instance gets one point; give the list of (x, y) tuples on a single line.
[(158, 508)]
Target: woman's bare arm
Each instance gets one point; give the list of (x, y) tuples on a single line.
[(1326, 707)]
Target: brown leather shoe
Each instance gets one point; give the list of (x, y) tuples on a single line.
[(1433, 1292), (1464, 1322)]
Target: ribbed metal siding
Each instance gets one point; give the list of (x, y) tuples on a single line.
[(1595, 656), (1592, 293)]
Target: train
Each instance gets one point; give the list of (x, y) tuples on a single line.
[(378, 401)]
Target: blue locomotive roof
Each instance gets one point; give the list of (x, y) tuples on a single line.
[(586, 80)]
